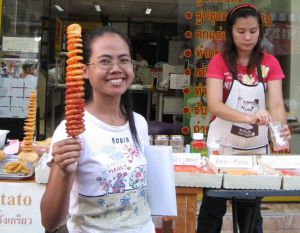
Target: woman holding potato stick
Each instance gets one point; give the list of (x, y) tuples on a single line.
[(99, 177)]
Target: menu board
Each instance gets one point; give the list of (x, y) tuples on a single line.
[(18, 77)]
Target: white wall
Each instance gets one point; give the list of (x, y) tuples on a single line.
[(295, 61)]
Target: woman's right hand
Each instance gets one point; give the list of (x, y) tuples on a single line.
[(66, 154), (261, 117)]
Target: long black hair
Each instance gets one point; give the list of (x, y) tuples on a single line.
[(230, 52), (126, 99)]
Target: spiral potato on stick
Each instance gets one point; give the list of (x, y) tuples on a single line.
[(74, 97), (28, 154)]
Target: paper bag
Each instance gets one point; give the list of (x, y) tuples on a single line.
[(161, 181)]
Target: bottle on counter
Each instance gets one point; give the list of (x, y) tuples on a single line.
[(198, 144), (213, 148), (161, 140), (187, 148), (177, 143)]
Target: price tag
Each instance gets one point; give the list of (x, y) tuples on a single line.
[(188, 159), (224, 161), (284, 161)]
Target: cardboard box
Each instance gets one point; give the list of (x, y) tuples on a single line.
[(288, 163), (266, 178), (291, 182), (196, 179)]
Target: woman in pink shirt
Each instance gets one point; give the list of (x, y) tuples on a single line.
[(238, 82)]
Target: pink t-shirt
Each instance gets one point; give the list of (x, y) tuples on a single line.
[(270, 68)]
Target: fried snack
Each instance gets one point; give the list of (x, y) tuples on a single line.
[(28, 156), (44, 143), (2, 155), (190, 168), (16, 167), (242, 172), (74, 101), (290, 172), (27, 152), (29, 125)]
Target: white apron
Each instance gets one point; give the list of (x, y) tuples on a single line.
[(240, 137)]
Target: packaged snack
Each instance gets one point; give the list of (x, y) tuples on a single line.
[(279, 143)]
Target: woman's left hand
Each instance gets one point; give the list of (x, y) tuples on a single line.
[(286, 132)]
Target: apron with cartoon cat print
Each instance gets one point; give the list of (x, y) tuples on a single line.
[(240, 137)]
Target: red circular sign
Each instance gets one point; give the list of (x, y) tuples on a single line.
[(186, 110), (185, 130), (187, 53), (186, 91), (188, 34), (188, 15), (187, 71)]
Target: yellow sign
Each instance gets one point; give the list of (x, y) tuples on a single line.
[(58, 35)]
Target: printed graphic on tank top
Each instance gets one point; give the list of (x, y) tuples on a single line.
[(109, 192)]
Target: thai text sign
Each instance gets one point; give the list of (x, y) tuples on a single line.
[(20, 207), (195, 110)]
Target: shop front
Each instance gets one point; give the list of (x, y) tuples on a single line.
[(170, 92)]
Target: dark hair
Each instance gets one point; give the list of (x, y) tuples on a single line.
[(126, 99), (230, 52)]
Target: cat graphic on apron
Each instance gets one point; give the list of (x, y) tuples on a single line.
[(243, 138)]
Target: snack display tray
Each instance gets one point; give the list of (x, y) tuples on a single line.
[(14, 176), (193, 179)]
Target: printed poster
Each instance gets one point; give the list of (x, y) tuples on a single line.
[(195, 111), (18, 78), (20, 44)]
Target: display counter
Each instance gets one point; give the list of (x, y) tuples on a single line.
[(20, 202)]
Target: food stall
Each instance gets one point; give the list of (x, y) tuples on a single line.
[(226, 176)]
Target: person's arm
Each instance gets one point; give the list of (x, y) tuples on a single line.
[(218, 108), (55, 202), (276, 105), (275, 101)]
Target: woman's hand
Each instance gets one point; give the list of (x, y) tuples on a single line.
[(286, 132), (66, 154), (261, 117)]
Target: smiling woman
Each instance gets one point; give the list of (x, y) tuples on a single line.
[(109, 70), (93, 176)]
